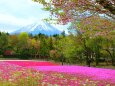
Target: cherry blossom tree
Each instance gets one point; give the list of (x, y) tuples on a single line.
[(71, 10)]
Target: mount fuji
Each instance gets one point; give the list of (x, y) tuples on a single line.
[(36, 28)]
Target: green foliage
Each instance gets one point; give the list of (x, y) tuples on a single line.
[(3, 42), (71, 48), (23, 40)]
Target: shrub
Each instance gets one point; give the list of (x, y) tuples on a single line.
[(54, 55), (1, 56)]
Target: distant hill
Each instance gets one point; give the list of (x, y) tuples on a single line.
[(44, 28)]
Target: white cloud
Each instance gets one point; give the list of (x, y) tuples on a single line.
[(9, 19), (21, 12), (22, 8)]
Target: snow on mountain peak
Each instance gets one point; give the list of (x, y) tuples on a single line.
[(36, 28)]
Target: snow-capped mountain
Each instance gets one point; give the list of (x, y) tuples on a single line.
[(36, 28)]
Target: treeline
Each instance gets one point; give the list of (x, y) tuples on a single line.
[(27, 46), (69, 49)]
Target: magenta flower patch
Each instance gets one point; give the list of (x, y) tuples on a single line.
[(56, 75), (32, 63), (93, 73)]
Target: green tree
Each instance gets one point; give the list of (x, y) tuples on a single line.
[(13, 42), (3, 42), (44, 47), (34, 46), (66, 47), (109, 46), (23, 45)]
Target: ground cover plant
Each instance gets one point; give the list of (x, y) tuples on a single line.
[(14, 75), (63, 79), (96, 74), (39, 75), (32, 63)]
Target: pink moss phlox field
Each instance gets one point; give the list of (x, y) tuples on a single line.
[(6, 69), (32, 63), (56, 75), (63, 79), (94, 73), (14, 75)]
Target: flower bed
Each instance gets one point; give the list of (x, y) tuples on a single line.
[(32, 63), (13, 75), (102, 76), (95, 73), (28, 72)]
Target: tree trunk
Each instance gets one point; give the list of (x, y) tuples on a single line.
[(97, 57), (112, 57)]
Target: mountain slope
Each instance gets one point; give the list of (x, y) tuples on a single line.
[(44, 28)]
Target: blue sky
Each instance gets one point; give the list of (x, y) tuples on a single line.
[(21, 13)]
